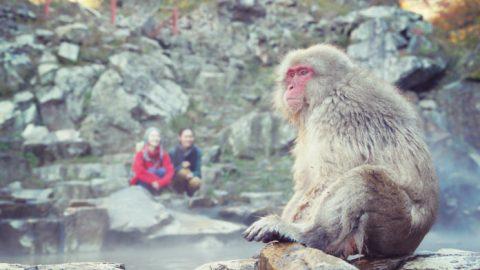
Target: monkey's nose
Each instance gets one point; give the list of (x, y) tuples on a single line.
[(290, 87)]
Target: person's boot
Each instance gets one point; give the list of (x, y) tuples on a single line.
[(193, 185)]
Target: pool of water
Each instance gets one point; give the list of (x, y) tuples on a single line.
[(170, 255)]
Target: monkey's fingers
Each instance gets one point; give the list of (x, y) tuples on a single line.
[(252, 231), (268, 231)]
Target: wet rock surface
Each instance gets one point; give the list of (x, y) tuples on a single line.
[(276, 256), (66, 266), (296, 256), (246, 264)]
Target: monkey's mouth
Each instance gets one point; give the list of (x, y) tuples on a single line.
[(295, 104)]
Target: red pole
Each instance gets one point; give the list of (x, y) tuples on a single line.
[(174, 21), (113, 10), (46, 8)]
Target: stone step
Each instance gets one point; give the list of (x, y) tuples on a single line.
[(63, 172), (19, 208)]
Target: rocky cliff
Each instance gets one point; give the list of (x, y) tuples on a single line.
[(76, 91)]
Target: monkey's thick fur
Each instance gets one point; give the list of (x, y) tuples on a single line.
[(364, 181)]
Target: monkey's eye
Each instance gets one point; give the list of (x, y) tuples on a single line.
[(290, 74), (303, 72)]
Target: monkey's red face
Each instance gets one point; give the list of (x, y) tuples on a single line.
[(296, 81)]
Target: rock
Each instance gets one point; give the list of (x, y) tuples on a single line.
[(394, 44), (85, 228), (241, 10), (423, 260), (61, 144), (101, 187), (460, 101), (75, 32), (16, 66), (208, 80), (66, 266), (263, 198), (108, 123), (23, 98), (133, 211), (6, 113), (245, 264), (259, 134), (15, 166), (30, 236), (32, 194), (35, 134), (63, 107), (69, 190), (296, 256), (151, 82), (428, 104), (187, 225), (51, 174), (443, 259), (68, 51), (21, 208), (246, 214), (211, 154), (202, 202), (47, 66), (44, 36)]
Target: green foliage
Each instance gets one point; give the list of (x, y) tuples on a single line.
[(178, 122), (81, 160), (4, 146), (262, 173), (31, 159)]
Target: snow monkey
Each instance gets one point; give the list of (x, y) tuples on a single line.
[(364, 182)]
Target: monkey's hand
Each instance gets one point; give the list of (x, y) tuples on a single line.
[(270, 228)]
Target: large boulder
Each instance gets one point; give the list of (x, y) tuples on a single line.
[(186, 226), (16, 63), (150, 78), (63, 105), (259, 133), (276, 256), (447, 259), (85, 228), (460, 102), (393, 43), (134, 213), (145, 93), (30, 236), (107, 122)]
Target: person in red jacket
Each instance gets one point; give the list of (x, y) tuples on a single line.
[(152, 167)]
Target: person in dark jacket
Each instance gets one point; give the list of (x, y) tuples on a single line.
[(152, 167), (187, 160)]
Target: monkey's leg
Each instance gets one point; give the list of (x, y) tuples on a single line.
[(365, 212), (363, 209)]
